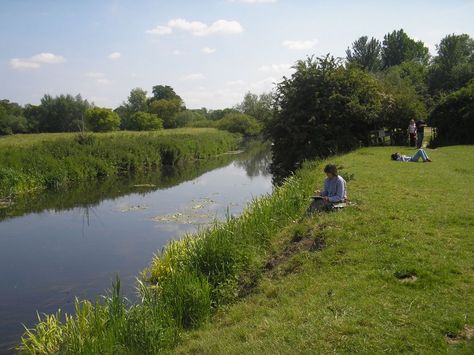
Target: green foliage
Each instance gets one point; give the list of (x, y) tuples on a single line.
[(365, 54), (401, 102), (11, 118), (164, 92), (454, 117), (166, 110), (102, 120), (64, 113), (258, 107), (143, 121), (67, 160), (323, 109), (239, 123), (216, 115), (453, 67), (398, 48), (188, 117)]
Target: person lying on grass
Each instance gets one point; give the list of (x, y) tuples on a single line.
[(334, 191), (419, 154)]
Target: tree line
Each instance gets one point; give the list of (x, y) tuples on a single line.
[(330, 105), (140, 112)]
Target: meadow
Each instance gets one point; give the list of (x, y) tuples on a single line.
[(391, 273), (35, 162)]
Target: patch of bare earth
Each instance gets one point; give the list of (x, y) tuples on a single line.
[(465, 335)]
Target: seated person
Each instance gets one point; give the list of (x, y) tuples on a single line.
[(419, 154), (334, 191)]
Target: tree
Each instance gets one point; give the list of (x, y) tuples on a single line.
[(164, 92), (137, 101), (322, 109), (102, 120), (454, 117), (453, 67), (12, 119), (166, 109), (62, 113), (239, 123), (187, 117), (365, 53), (258, 107), (398, 48), (144, 121), (400, 104)]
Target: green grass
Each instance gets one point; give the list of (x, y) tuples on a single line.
[(393, 273), (40, 161), (414, 219)]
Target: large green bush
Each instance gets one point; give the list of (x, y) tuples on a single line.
[(239, 123), (453, 117), (102, 120), (143, 121)]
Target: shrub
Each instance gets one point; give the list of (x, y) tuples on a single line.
[(102, 120), (143, 121), (453, 117), (239, 123)]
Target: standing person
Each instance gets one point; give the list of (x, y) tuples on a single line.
[(334, 191), (420, 130), (419, 154), (412, 133)]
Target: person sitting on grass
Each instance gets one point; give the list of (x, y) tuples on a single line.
[(334, 192), (419, 154)]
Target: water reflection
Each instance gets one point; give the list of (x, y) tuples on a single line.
[(58, 245)]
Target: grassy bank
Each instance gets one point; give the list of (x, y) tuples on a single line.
[(40, 161), (393, 273)]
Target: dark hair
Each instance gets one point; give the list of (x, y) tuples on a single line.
[(395, 156), (331, 168)]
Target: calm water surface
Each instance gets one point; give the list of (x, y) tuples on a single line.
[(56, 246)]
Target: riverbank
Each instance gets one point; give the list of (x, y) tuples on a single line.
[(391, 273), (36, 162)]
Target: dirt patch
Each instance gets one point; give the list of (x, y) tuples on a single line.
[(465, 335), (297, 246), (406, 277)]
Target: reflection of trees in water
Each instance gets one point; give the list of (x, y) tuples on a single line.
[(90, 194), (256, 159)]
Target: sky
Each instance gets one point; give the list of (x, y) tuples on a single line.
[(210, 51)]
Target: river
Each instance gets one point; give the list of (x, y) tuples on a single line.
[(57, 245)]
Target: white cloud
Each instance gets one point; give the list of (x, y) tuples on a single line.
[(198, 28), (193, 76), (95, 75), (176, 52), (47, 58), (300, 44), (160, 30), (35, 61), (114, 55), (19, 64), (208, 50), (263, 85)]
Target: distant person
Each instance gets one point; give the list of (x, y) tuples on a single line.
[(419, 154), (333, 193), (420, 130), (412, 132)]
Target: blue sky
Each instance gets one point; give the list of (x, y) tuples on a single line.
[(210, 51)]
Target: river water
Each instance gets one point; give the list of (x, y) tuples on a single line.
[(58, 245)]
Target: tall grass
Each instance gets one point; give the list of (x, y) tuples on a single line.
[(181, 288), (68, 159)]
